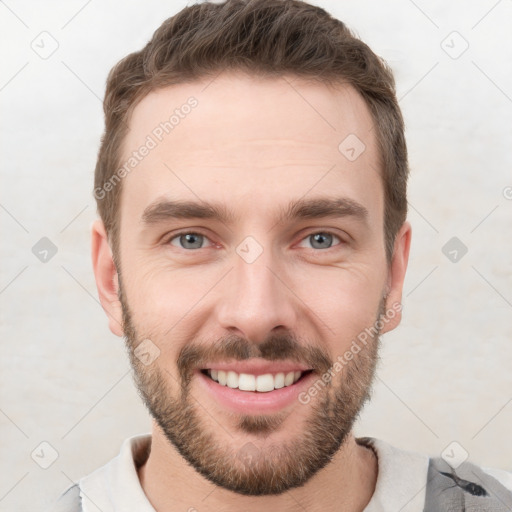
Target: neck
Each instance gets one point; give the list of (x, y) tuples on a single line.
[(347, 483)]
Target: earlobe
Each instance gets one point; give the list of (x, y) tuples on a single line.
[(106, 276), (396, 277)]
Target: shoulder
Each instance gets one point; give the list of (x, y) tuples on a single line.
[(68, 501), (442, 486), (504, 477), (472, 470), (476, 487), (115, 485)]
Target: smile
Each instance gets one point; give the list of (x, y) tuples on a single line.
[(249, 382), (262, 392)]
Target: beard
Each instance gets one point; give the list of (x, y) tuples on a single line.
[(250, 470)]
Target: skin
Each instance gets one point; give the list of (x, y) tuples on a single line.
[(253, 145)]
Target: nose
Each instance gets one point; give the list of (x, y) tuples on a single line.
[(256, 299)]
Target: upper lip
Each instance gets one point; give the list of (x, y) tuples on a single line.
[(258, 366)]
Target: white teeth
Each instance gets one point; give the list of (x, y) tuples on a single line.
[(279, 381), (222, 377), (247, 382), (288, 379), (232, 380), (265, 382)]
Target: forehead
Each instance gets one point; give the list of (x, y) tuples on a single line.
[(250, 140)]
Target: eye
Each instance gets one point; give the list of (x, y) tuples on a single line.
[(188, 240), (322, 240), (193, 240)]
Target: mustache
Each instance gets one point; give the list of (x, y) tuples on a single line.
[(276, 347)]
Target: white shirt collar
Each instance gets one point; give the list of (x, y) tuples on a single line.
[(115, 487), (401, 479)]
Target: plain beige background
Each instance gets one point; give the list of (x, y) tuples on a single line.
[(445, 372)]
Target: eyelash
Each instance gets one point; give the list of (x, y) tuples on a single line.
[(188, 232)]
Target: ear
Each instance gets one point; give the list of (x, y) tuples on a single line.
[(396, 276), (106, 277)]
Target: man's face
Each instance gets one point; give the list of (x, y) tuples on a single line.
[(267, 289)]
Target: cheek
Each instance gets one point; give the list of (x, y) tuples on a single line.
[(346, 301), (164, 301)]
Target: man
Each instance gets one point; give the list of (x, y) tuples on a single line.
[(252, 247)]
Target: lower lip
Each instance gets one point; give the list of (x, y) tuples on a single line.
[(254, 401)]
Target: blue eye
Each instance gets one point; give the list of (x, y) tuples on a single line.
[(322, 240), (188, 240)]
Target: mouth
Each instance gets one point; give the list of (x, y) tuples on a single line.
[(263, 383), (255, 389)]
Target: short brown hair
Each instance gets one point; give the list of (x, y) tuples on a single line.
[(265, 37)]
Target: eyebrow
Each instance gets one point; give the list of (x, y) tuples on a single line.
[(164, 210)]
